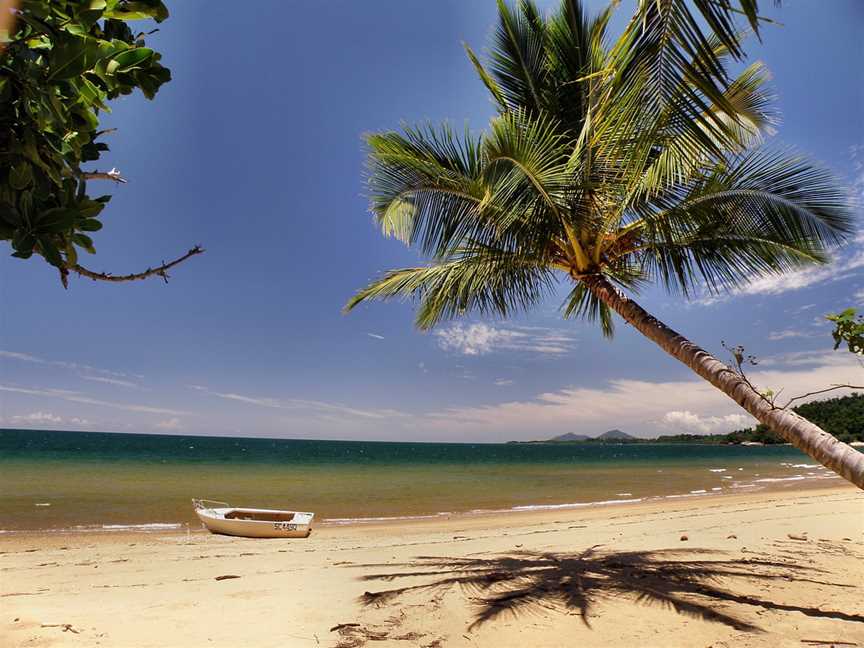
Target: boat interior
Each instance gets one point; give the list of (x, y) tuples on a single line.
[(261, 516)]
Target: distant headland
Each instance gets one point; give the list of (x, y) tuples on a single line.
[(843, 417)]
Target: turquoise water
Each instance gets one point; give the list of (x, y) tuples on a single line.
[(63, 480)]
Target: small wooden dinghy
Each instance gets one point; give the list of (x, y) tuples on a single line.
[(252, 522)]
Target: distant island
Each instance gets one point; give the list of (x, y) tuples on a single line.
[(843, 417)]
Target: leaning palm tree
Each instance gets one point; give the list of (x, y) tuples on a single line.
[(610, 165)]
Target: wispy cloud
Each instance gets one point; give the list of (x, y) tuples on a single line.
[(24, 357), (376, 336), (111, 381), (846, 264), (687, 421), (172, 424), (788, 333), (640, 406), (503, 382), (800, 309), (856, 152), (312, 406), (73, 366), (848, 260), (40, 419), (77, 397), (481, 339)]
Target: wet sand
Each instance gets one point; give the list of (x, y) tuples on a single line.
[(769, 568)]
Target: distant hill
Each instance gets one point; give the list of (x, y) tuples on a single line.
[(612, 436), (570, 437), (615, 435), (843, 417)]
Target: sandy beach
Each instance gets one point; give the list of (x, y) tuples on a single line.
[(780, 568)]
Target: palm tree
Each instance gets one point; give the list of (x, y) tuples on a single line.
[(610, 165)]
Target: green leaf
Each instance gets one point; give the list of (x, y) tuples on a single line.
[(72, 56), (129, 60), (20, 176), (71, 255), (9, 215), (23, 242), (89, 208), (84, 241), (90, 225), (55, 220), (138, 10), (50, 252)]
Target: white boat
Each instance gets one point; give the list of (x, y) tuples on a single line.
[(252, 522)]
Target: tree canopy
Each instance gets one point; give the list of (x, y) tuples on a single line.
[(848, 329), (63, 62), (636, 159)]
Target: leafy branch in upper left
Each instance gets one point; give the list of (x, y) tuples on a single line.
[(61, 63)]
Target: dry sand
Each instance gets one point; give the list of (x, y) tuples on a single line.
[(767, 569)]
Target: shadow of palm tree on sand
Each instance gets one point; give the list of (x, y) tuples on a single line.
[(693, 582)]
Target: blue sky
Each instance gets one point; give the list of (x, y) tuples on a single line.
[(254, 150)]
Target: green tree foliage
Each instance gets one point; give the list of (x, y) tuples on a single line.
[(843, 417), (64, 60), (848, 328)]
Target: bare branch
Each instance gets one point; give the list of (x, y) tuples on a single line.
[(161, 271), (739, 359), (113, 175), (821, 391)]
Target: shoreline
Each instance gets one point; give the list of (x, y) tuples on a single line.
[(790, 485), (762, 570)]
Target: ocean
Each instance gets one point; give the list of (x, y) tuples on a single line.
[(53, 481)]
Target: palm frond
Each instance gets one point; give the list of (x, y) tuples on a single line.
[(759, 213), (581, 302), (425, 187), (518, 56), (477, 280)]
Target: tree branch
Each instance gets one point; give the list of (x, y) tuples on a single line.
[(161, 271), (821, 391), (113, 175)]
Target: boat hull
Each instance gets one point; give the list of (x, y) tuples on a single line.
[(254, 528), (254, 523)]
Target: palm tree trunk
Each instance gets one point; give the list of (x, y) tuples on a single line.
[(811, 439)]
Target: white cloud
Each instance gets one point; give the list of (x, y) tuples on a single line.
[(687, 421), (856, 152), (819, 357), (170, 424), (845, 265), (848, 261), (24, 357), (481, 339), (251, 400), (787, 333), (503, 382), (376, 336), (77, 397), (317, 407), (73, 366), (37, 418), (111, 381), (42, 419), (640, 406)]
